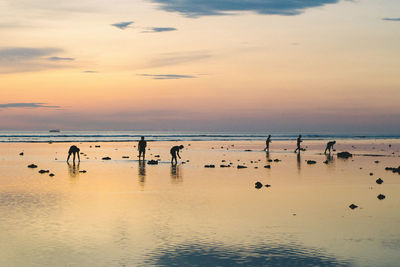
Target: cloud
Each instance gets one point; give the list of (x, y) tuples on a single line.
[(122, 25), (167, 76), (160, 29), (391, 19), (27, 105), (178, 58), (61, 58), (196, 8), (26, 59)]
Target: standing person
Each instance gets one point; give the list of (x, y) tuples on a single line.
[(329, 146), (267, 142), (142, 148), (175, 152), (298, 144), (74, 150)]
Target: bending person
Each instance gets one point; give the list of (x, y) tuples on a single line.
[(175, 152), (74, 150), (329, 146)]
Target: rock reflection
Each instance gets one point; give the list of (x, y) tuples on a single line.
[(176, 175), (262, 255), (142, 173)]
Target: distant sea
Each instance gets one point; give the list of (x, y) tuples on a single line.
[(132, 136)]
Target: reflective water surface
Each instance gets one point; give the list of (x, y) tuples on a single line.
[(127, 213)]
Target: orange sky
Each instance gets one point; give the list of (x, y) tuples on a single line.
[(321, 65)]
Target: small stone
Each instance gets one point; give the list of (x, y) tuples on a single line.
[(125, 157), (311, 162), (270, 160), (267, 166), (258, 185), (152, 162), (156, 156), (32, 166), (51, 174), (377, 161), (106, 158), (209, 166), (353, 206), (43, 171), (371, 173), (344, 155), (21, 154), (83, 171), (224, 166), (267, 185), (326, 161), (379, 181), (381, 197), (241, 167), (277, 160)]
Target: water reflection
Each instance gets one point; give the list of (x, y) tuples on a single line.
[(261, 255), (298, 162), (73, 170), (176, 175), (142, 173)]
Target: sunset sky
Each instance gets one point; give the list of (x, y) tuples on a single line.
[(211, 65)]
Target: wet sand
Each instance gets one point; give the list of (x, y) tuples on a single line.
[(123, 213)]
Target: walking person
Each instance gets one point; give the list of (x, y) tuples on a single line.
[(298, 149), (267, 142)]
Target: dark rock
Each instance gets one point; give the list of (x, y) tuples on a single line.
[(258, 185), (224, 166), (267, 185), (32, 166), (270, 160), (152, 162), (381, 197), (326, 161), (377, 161), (223, 160), (241, 167), (344, 155), (277, 160), (97, 146), (371, 173), (388, 168), (44, 171), (311, 162), (125, 157), (106, 158), (83, 171), (21, 154), (267, 166), (156, 156), (379, 181), (353, 206), (51, 174), (209, 166), (248, 150)]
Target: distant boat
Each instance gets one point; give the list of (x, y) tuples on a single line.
[(55, 131)]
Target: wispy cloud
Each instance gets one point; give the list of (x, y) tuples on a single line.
[(26, 59), (178, 58), (27, 105), (391, 19), (196, 8), (159, 29), (167, 76), (122, 25), (61, 58)]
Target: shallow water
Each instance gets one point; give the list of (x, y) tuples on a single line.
[(123, 213)]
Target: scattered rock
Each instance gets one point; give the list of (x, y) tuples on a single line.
[(267, 185), (248, 150), (377, 161), (258, 185), (209, 166), (223, 160), (381, 197), (156, 156), (353, 206), (44, 171), (125, 157), (224, 166), (344, 155), (51, 174), (21, 154), (371, 173), (106, 158), (83, 171), (326, 161), (311, 162), (267, 166), (270, 160), (379, 181), (32, 166), (97, 146), (241, 167), (152, 162), (277, 160)]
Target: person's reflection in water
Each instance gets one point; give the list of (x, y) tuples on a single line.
[(142, 173), (298, 162), (176, 175), (73, 171), (267, 157)]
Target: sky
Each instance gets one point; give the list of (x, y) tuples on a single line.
[(201, 65)]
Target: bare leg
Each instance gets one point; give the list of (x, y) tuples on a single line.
[(69, 155), (74, 158)]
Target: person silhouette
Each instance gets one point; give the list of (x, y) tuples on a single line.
[(73, 150), (175, 152), (329, 146), (298, 144), (142, 148), (267, 142)]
